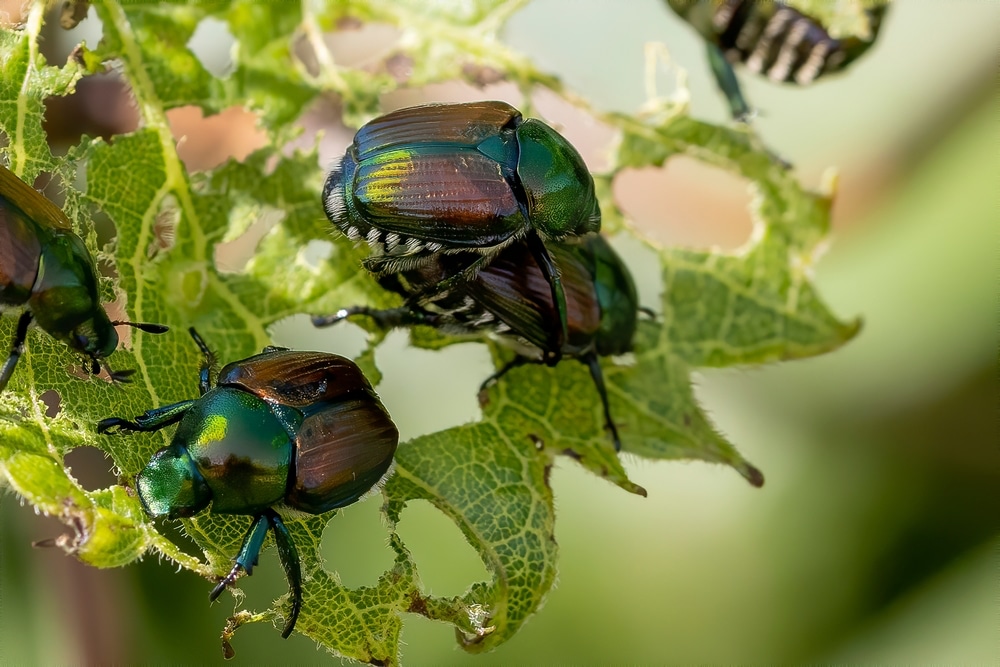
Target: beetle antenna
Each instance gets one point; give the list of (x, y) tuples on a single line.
[(148, 327), (208, 366)]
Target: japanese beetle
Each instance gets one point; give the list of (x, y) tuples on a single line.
[(468, 179), (510, 297), (770, 39), (303, 430), (46, 268)]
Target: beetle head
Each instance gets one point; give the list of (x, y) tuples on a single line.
[(171, 486)]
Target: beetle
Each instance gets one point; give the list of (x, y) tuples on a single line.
[(284, 428), (510, 297), (466, 179), (46, 268), (770, 39)]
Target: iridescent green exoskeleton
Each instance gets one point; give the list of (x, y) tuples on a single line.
[(304, 430), (770, 39), (46, 269), (510, 297), (468, 179)]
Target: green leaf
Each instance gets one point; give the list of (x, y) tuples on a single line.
[(490, 477)]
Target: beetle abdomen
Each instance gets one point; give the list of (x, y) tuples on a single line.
[(341, 451), (20, 250), (775, 40)]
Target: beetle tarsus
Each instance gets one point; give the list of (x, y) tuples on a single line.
[(112, 424), (225, 582)]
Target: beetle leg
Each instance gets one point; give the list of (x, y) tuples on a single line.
[(592, 362), (16, 349), (289, 558), (388, 318), (725, 77), (151, 420), (248, 554), (204, 376), (551, 274)]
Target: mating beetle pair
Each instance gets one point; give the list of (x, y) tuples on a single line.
[(770, 39), (483, 221), (46, 268)]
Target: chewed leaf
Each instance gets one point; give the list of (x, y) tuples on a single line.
[(491, 478)]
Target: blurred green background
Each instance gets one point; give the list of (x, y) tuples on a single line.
[(876, 536)]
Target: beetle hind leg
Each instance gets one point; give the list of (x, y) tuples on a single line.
[(597, 375), (289, 558), (249, 553)]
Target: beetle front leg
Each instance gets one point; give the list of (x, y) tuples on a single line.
[(16, 350), (151, 420), (248, 554)]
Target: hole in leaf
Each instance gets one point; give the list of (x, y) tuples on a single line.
[(91, 467), (212, 44), (687, 203), (247, 226), (446, 561), (323, 128), (355, 543), (52, 401), (359, 45), (59, 36), (206, 142), (315, 252), (427, 391), (101, 106)]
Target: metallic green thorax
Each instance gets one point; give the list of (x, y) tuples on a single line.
[(235, 445)]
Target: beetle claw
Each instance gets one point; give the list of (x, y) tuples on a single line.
[(226, 581)]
